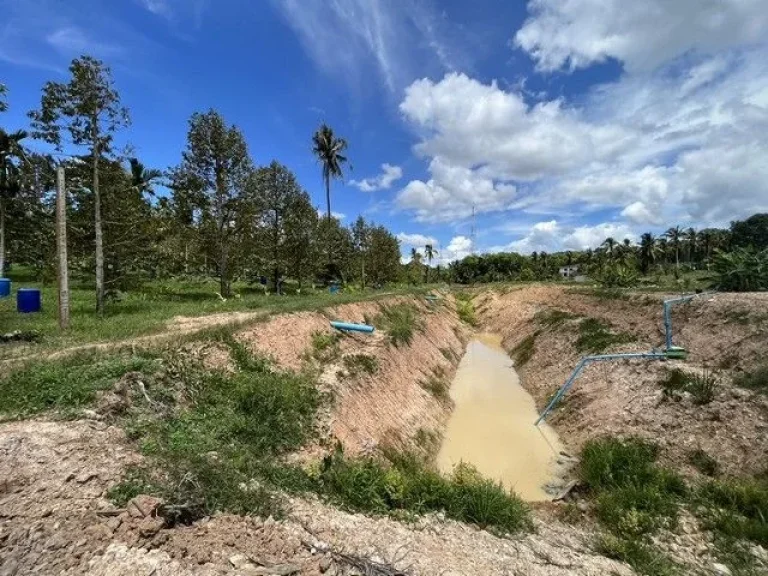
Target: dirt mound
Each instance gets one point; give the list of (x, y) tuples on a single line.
[(625, 398)]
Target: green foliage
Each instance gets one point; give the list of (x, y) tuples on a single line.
[(524, 350), (752, 232), (68, 384), (437, 386), (617, 276), (703, 462), (400, 321), (702, 386), (756, 380), (638, 554), (634, 496), (742, 270), (736, 508), (552, 318), (466, 312), (357, 364), (325, 345), (595, 336), (407, 485)]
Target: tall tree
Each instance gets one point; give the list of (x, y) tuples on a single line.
[(330, 153), (88, 108), (649, 248), (360, 233), (750, 232), (691, 243), (610, 246), (11, 154), (217, 167), (675, 235), (143, 179), (430, 253)]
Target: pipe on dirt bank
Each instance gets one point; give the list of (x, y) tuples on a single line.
[(588, 360), (352, 327)]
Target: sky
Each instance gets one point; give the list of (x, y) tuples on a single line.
[(558, 122)]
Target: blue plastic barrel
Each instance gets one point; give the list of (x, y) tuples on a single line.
[(28, 300), (5, 287)]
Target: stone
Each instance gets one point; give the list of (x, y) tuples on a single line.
[(239, 561), (325, 564), (721, 569), (142, 506)]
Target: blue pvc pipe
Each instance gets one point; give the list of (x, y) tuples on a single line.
[(352, 327), (588, 360)]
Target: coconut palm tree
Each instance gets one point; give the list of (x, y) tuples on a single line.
[(691, 238), (142, 178), (674, 235), (329, 151), (430, 253), (609, 245), (11, 152), (649, 249), (415, 256)]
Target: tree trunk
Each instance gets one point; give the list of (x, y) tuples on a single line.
[(224, 288), (99, 238), (328, 198), (61, 249), (2, 238), (276, 254)]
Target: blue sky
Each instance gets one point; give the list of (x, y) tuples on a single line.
[(560, 121)]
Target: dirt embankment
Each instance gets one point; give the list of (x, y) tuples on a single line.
[(387, 404), (725, 333)]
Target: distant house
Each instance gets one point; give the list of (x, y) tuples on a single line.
[(569, 272)]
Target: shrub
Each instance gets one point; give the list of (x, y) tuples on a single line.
[(736, 508), (400, 322), (617, 276), (638, 554), (437, 386), (357, 364), (703, 462), (703, 387), (524, 350), (466, 312), (741, 270), (595, 336), (325, 345)]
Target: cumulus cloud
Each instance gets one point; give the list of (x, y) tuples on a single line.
[(389, 175), (642, 35), (324, 213), (459, 247), (415, 240), (552, 236)]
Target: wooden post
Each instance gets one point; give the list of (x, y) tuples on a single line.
[(61, 248)]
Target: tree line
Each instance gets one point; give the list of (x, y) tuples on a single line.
[(219, 214), (737, 257)]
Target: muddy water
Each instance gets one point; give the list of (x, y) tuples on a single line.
[(492, 424)]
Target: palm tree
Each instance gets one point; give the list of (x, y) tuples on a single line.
[(430, 253), (415, 256), (609, 244), (10, 149), (706, 240), (142, 178), (328, 149), (691, 237), (649, 249), (674, 235)]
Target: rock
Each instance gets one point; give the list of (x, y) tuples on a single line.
[(150, 526), (325, 564), (239, 561), (721, 569), (760, 553), (142, 506), (9, 568)]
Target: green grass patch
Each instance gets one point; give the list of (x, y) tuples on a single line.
[(325, 345), (400, 321), (358, 364), (643, 557), (702, 386), (736, 508), (465, 308), (524, 350), (407, 485), (552, 318), (67, 384), (756, 380), (596, 336), (437, 386)]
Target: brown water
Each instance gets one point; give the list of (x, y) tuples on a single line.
[(492, 424)]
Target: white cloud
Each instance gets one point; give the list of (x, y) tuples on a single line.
[(643, 35), (389, 175), (324, 214), (73, 41), (158, 7), (459, 247), (415, 240), (551, 236), (687, 144), (363, 32)]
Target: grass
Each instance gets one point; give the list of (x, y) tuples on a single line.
[(596, 336), (756, 380), (552, 318), (703, 462), (702, 386), (325, 345), (643, 557), (465, 308), (358, 364), (147, 310), (524, 350), (68, 384), (407, 485), (437, 386), (400, 321)]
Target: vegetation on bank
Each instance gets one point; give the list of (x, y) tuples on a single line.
[(400, 322)]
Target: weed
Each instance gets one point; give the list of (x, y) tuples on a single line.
[(638, 554), (736, 508), (357, 364), (427, 440), (407, 485), (449, 354), (703, 462), (595, 336), (400, 322), (524, 350), (552, 318), (437, 386), (756, 380), (325, 345), (69, 383), (701, 386), (135, 482), (466, 312)]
